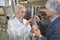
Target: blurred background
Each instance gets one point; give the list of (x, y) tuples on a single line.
[(7, 9)]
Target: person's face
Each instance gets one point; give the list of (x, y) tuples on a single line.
[(47, 11), (21, 13)]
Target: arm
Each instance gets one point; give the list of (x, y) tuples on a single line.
[(40, 23)]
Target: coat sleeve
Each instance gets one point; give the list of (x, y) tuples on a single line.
[(42, 25)]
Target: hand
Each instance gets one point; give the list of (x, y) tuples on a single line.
[(36, 30), (37, 33), (34, 27), (28, 22), (36, 18)]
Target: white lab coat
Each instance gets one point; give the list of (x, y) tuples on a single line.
[(18, 30)]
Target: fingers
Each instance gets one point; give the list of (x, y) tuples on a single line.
[(37, 32), (28, 22), (36, 18), (34, 28)]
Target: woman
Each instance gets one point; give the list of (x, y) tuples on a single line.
[(18, 27)]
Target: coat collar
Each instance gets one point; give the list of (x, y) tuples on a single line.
[(55, 21), (17, 20), (51, 24)]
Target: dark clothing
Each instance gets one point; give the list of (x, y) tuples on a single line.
[(52, 31)]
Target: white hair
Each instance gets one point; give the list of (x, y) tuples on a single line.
[(54, 5), (19, 7)]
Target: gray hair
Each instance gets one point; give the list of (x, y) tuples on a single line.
[(19, 7), (54, 5)]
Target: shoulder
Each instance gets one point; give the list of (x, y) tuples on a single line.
[(57, 24), (56, 27), (11, 21)]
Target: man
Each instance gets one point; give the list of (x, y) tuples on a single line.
[(53, 30), (18, 27)]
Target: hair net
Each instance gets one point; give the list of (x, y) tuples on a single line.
[(17, 8), (53, 5)]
